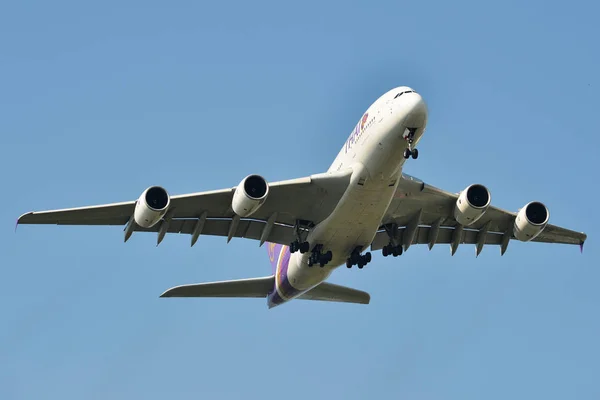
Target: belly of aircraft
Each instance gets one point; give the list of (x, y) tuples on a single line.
[(356, 221)]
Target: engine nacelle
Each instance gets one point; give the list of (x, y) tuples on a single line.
[(249, 195), (471, 204), (531, 221), (151, 206)]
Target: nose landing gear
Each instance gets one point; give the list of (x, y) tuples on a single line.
[(411, 152), (410, 138)]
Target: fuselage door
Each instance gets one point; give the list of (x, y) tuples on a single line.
[(384, 109)]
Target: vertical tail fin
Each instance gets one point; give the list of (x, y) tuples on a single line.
[(274, 250), (280, 256)]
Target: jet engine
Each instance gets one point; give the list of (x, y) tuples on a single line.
[(151, 206), (531, 221), (250, 195), (471, 204)]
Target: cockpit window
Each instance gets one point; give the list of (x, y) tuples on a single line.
[(400, 94)]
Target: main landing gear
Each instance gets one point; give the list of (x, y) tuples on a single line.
[(318, 257), (357, 259), (296, 245), (300, 244), (410, 138), (391, 250)]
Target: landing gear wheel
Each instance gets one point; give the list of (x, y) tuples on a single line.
[(357, 259), (317, 256), (304, 246), (391, 250), (296, 245), (415, 154), (407, 153)]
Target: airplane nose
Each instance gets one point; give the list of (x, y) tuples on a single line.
[(415, 109), (414, 104)]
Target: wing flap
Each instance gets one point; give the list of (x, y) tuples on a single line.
[(445, 235), (247, 229), (470, 236), (253, 287), (336, 293)]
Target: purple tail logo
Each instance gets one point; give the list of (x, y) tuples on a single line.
[(274, 249)]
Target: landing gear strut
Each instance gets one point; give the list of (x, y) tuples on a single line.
[(299, 244), (410, 138), (318, 257), (393, 248), (357, 259)]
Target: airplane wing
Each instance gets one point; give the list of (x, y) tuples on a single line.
[(423, 214), (309, 200)]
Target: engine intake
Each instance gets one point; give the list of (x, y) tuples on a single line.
[(531, 221), (250, 195), (471, 204), (151, 206)]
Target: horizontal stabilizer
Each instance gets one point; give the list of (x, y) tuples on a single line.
[(254, 287), (342, 294)]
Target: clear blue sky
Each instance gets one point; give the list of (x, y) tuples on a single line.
[(97, 102)]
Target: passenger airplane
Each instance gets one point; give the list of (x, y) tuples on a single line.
[(313, 225)]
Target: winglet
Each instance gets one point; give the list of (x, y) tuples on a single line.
[(21, 217), (581, 247)]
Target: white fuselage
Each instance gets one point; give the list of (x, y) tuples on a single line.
[(374, 152)]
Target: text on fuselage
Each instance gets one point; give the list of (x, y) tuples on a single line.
[(357, 132)]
